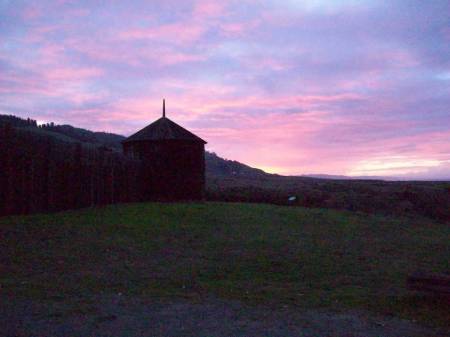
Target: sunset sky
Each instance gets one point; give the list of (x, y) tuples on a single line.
[(356, 87)]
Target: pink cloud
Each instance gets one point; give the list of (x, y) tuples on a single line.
[(208, 8), (39, 33), (31, 12), (11, 83), (239, 29), (272, 140), (178, 33), (269, 84), (72, 74), (177, 58)]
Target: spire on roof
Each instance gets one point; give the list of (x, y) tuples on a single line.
[(164, 108)]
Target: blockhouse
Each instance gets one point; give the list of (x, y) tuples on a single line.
[(173, 160)]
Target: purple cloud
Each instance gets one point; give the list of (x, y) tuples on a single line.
[(341, 87)]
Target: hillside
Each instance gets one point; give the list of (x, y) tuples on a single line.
[(215, 165), (226, 180)]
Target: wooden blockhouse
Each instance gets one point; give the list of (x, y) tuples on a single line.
[(173, 161)]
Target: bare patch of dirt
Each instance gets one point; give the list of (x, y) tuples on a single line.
[(119, 315)]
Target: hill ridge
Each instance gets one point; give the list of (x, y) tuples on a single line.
[(215, 165)]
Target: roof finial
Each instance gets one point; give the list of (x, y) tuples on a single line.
[(164, 108)]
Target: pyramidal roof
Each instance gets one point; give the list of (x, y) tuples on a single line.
[(163, 129)]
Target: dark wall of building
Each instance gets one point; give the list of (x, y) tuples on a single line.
[(173, 169)]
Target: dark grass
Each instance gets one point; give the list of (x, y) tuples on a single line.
[(274, 255)]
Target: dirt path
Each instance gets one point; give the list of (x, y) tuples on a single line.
[(124, 316)]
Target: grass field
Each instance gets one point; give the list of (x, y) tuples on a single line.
[(255, 253)]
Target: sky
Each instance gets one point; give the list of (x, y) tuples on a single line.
[(356, 87)]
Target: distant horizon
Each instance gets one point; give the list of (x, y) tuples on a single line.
[(352, 88), (312, 175)]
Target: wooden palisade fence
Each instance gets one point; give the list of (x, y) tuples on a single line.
[(39, 174)]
